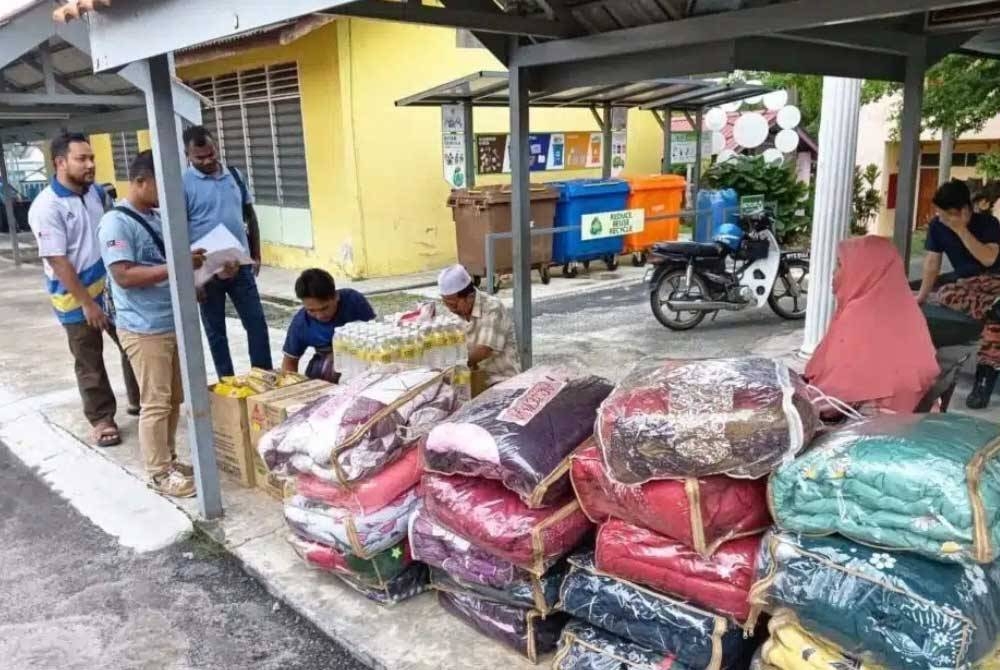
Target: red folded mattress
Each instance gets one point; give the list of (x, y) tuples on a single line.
[(720, 583), (492, 517), (368, 495), (700, 513)]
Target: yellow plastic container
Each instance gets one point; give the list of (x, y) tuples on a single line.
[(657, 194)]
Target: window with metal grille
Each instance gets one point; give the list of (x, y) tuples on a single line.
[(124, 148), (256, 119)]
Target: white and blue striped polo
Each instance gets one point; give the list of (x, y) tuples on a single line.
[(65, 224)]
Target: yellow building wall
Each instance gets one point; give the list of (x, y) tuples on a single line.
[(105, 170), (376, 189), (398, 150)]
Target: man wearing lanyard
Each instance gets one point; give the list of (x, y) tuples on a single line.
[(64, 219), (132, 245), (218, 195)]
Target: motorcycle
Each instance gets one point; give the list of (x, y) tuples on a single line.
[(742, 267)]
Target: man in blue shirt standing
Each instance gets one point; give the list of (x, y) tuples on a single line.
[(218, 195), (131, 237), (324, 309), (971, 241), (64, 219)]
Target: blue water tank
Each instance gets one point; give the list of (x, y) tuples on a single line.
[(731, 206), (711, 207)]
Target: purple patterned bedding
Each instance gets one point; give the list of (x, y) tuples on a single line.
[(521, 432)]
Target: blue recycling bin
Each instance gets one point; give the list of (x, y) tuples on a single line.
[(577, 199)]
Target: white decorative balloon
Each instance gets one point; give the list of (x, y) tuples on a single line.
[(775, 100), (751, 130), (731, 107), (755, 100), (718, 142), (715, 119), (789, 117), (786, 141), (773, 156), (726, 155)]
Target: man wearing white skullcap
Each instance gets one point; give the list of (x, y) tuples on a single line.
[(489, 329)]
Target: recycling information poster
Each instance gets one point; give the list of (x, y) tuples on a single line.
[(546, 151)]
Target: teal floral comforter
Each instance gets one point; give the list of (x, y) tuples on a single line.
[(897, 610), (926, 483)]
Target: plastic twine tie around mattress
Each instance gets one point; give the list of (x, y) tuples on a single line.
[(982, 550), (836, 403), (352, 441)]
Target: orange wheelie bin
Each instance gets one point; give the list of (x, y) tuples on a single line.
[(657, 194)]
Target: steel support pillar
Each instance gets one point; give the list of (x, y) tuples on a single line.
[(668, 140), (838, 139), (163, 136), (909, 152), (520, 201), (7, 195), (606, 143), (470, 144), (696, 177)]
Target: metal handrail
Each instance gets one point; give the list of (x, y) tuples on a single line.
[(490, 238)]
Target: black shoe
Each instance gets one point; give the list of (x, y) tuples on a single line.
[(982, 389)]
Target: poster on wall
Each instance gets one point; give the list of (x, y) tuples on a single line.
[(452, 119), (595, 150), (538, 151), (618, 152), (454, 162), (546, 151), (577, 149), (455, 167), (557, 152), (491, 153), (683, 146)]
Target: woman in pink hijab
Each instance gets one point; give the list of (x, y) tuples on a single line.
[(877, 354)]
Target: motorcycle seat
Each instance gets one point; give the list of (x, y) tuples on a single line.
[(696, 249)]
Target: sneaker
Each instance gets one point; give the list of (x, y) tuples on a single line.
[(174, 484), (182, 468)]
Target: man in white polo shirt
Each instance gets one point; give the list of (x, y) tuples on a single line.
[(64, 219)]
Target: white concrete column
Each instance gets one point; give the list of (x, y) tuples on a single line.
[(838, 139)]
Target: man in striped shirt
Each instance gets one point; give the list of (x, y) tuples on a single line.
[(64, 219)]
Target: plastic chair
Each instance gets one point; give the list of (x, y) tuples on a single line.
[(943, 388)]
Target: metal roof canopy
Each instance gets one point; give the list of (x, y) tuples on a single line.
[(491, 89), (47, 81)]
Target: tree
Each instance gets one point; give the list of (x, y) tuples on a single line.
[(866, 200)]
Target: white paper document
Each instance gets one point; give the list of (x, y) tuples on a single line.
[(221, 247)]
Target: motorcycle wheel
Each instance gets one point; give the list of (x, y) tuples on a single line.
[(671, 284), (784, 303)]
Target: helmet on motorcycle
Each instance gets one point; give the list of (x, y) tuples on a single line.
[(730, 235)]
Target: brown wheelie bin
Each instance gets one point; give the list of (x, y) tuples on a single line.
[(483, 210)]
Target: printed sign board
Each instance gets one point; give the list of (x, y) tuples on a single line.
[(612, 224)]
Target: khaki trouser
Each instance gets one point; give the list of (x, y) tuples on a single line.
[(156, 362)]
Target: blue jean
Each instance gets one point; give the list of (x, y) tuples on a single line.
[(242, 290)]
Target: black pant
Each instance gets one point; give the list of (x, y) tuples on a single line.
[(87, 346)]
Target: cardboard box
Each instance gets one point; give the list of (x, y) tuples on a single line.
[(267, 410), (231, 437)]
